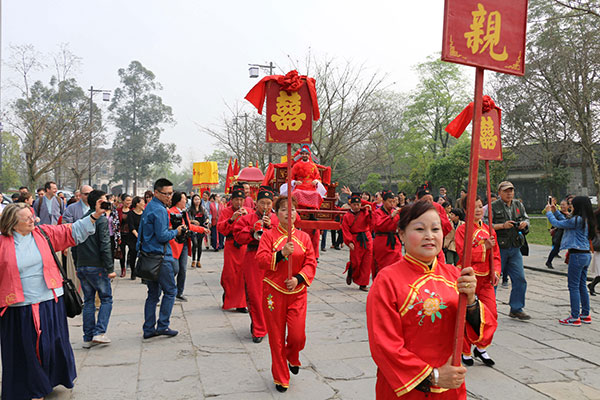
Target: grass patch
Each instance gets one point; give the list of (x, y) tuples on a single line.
[(538, 230)]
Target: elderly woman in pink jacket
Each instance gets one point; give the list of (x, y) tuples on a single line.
[(34, 336)]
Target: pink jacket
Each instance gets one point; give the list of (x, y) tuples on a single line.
[(11, 290)]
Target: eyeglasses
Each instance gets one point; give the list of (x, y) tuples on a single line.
[(27, 219), (165, 194), (85, 194)]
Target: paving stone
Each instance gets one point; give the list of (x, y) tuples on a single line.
[(486, 383), (568, 390)]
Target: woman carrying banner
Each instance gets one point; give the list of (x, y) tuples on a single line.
[(412, 313), (484, 246), (284, 298)]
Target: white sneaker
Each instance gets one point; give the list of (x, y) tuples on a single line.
[(88, 345), (101, 339)]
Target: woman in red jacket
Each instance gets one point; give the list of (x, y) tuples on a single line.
[(484, 247), (34, 335), (181, 246), (284, 291)]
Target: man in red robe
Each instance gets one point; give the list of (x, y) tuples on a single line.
[(248, 202), (356, 228), (387, 248), (247, 231), (232, 278)]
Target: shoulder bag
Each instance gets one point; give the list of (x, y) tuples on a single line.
[(147, 265), (73, 302)]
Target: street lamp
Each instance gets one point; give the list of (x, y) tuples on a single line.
[(253, 70), (105, 97)]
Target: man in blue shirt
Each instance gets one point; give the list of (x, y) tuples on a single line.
[(49, 207), (154, 238)]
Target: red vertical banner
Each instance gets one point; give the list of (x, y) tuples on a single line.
[(490, 142), (486, 33)]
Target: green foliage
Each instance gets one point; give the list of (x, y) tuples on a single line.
[(11, 160), (372, 184), (440, 96), (452, 171), (139, 115)]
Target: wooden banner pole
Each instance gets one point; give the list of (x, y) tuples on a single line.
[(490, 224), (289, 203), (471, 196)]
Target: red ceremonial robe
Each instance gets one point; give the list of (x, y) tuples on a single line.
[(232, 277), (305, 192), (356, 229), (283, 307), (411, 317), (480, 261), (387, 248), (446, 224), (243, 233), (249, 203)]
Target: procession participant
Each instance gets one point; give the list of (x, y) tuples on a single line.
[(248, 202), (484, 246), (356, 228), (247, 231), (34, 334), (425, 194), (412, 312), (284, 300), (232, 279), (387, 249), (181, 245)]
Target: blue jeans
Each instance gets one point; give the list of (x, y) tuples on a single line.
[(180, 270), (323, 239), (512, 265), (95, 280), (166, 283), (576, 281)]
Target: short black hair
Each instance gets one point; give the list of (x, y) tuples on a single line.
[(176, 198), (124, 196), (24, 187), (135, 201), (213, 197), (48, 185), (161, 183), (93, 198)]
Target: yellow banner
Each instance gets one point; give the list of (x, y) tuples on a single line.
[(205, 174)]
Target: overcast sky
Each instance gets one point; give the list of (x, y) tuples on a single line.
[(199, 50)]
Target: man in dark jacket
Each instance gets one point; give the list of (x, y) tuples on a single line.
[(95, 269)]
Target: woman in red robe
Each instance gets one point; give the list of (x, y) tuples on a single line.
[(232, 278), (484, 246), (246, 231), (356, 228), (412, 312), (387, 249), (284, 293)]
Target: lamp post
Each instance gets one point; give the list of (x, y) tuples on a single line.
[(254, 70), (105, 97)]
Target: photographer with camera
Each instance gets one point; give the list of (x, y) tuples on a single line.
[(182, 244), (510, 220), (153, 238), (95, 269)]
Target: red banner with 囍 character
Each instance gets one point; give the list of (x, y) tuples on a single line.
[(490, 142), (486, 33), (289, 115)]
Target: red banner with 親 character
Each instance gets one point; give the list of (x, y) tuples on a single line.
[(486, 33)]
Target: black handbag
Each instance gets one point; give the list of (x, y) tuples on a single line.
[(147, 265), (71, 297)]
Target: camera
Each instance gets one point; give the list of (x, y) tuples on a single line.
[(106, 205), (176, 222)]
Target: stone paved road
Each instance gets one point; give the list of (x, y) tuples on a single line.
[(214, 357)]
